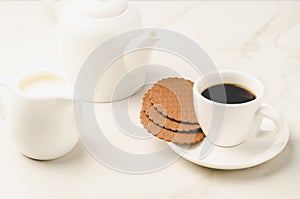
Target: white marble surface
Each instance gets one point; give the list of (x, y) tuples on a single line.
[(258, 37)]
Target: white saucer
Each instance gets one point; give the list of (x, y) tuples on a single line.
[(252, 152)]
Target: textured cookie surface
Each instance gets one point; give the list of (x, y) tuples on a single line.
[(168, 135), (173, 98), (157, 118)]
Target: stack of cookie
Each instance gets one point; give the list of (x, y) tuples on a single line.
[(168, 112)]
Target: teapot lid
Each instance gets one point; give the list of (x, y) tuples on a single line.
[(98, 8)]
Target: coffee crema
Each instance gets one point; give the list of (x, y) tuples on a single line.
[(228, 93)]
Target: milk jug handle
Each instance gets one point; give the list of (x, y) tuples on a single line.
[(7, 84)]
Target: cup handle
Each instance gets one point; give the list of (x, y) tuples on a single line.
[(6, 83), (266, 111)]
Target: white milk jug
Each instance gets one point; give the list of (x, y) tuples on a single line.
[(39, 114)]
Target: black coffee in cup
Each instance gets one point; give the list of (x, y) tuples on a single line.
[(228, 93)]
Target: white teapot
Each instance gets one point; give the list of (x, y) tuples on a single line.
[(84, 24)]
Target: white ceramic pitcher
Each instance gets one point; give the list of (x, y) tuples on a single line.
[(84, 24), (40, 115)]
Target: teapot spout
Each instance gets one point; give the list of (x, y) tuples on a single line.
[(53, 9), (145, 40)]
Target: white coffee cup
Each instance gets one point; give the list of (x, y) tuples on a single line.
[(40, 114), (230, 124)]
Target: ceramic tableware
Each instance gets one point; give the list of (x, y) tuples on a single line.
[(83, 26), (252, 152), (40, 114), (231, 124)]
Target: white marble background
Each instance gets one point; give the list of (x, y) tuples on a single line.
[(258, 37)]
